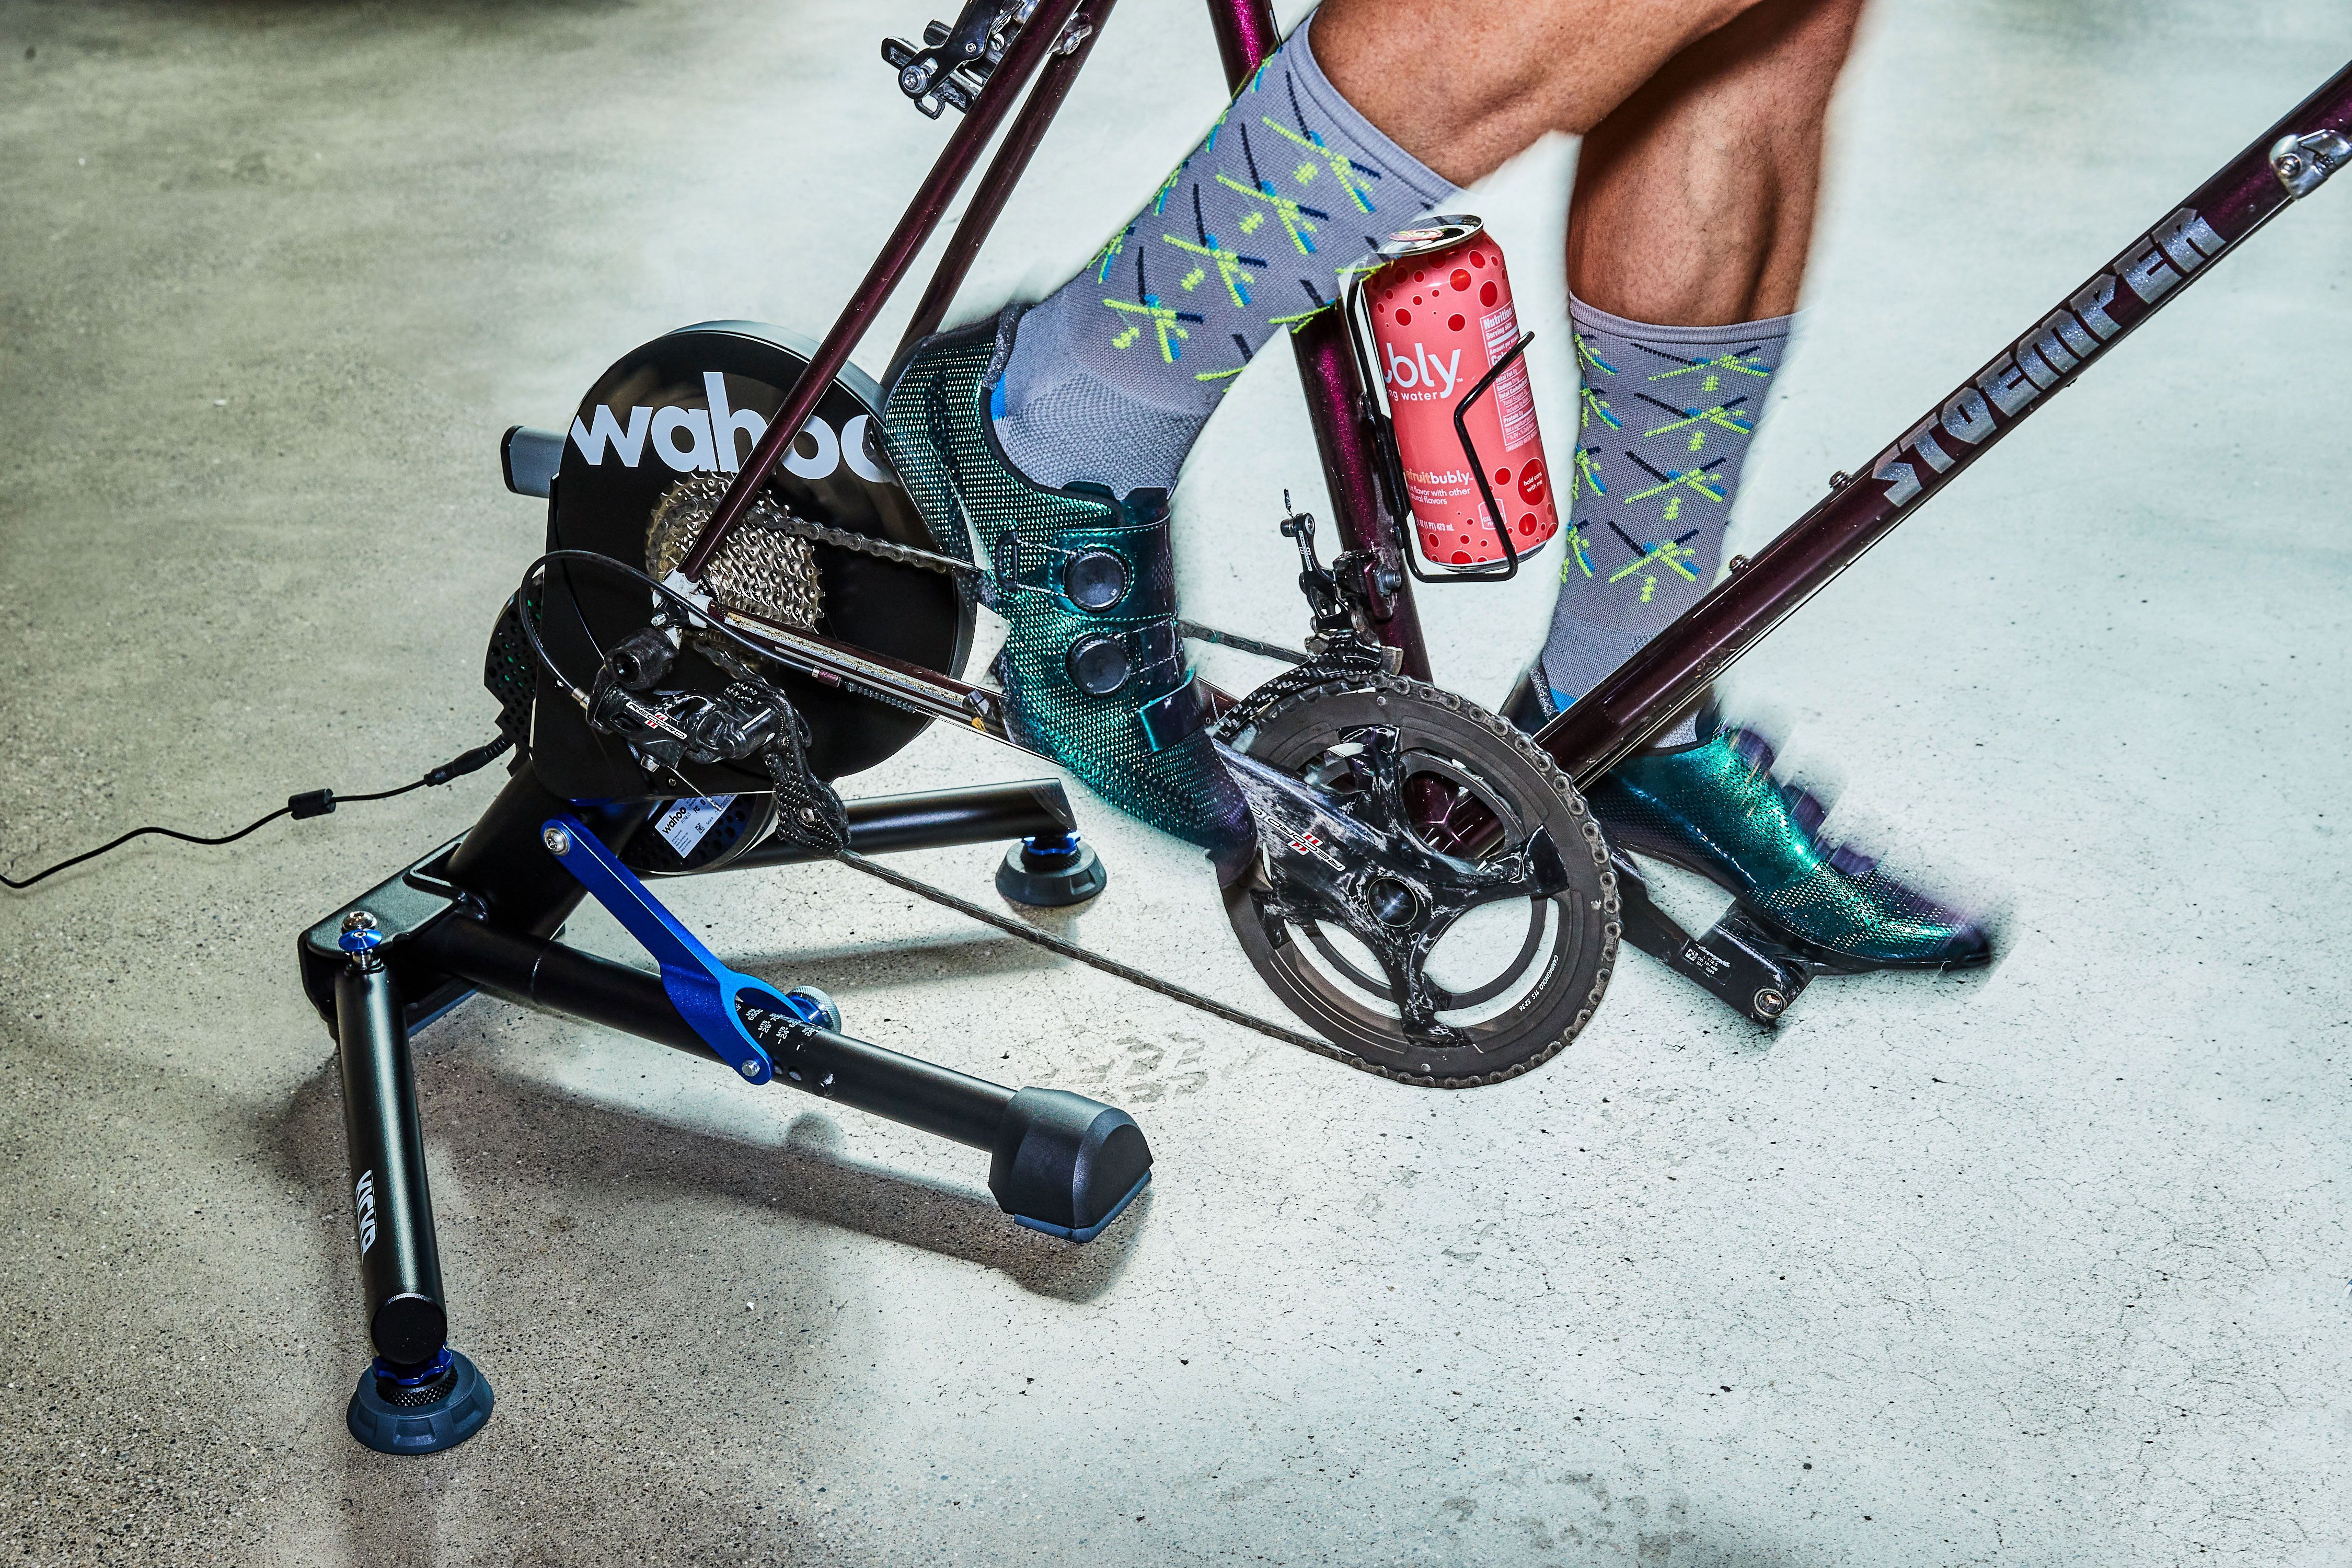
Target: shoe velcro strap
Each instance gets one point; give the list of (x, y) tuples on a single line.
[(1175, 718)]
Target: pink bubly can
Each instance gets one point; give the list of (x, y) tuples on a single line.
[(1440, 304)]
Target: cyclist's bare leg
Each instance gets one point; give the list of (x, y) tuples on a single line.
[(1702, 124), (1465, 84), (1695, 196)]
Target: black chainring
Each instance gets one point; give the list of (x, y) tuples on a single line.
[(1474, 801)]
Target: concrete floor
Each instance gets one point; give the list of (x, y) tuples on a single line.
[(2048, 1267)]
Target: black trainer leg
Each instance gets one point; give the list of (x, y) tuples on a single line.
[(419, 1397)]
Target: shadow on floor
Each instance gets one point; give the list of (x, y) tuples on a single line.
[(481, 1111), (925, 961)]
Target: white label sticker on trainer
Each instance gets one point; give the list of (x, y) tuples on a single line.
[(687, 822)]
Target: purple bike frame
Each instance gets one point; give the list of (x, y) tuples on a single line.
[(1337, 403), (1041, 35), (1674, 668)]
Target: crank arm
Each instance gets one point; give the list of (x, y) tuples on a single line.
[(1374, 880), (1736, 961)]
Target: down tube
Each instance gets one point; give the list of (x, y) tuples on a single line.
[(1674, 667), (1335, 397)]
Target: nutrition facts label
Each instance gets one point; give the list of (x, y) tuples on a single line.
[(1514, 399)]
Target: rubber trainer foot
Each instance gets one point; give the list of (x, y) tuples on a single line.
[(1051, 881), (455, 1414)]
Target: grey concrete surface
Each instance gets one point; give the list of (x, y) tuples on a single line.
[(2048, 1267)]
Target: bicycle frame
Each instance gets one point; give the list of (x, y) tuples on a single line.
[(1673, 671)]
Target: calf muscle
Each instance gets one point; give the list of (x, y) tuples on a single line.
[(1465, 84)]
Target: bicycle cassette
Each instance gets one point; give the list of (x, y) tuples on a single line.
[(655, 442)]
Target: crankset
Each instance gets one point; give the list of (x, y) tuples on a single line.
[(1430, 893)]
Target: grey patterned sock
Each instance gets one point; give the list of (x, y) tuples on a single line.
[(1114, 374), (1664, 420)]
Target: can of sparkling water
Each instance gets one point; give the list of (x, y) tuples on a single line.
[(1441, 313)]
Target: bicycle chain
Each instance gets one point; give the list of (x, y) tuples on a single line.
[(1343, 658), (931, 561), (791, 522)]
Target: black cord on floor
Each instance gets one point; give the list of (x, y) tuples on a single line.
[(310, 803)]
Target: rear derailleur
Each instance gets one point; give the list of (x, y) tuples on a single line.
[(749, 719)]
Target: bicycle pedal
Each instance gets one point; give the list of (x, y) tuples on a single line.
[(1737, 961)]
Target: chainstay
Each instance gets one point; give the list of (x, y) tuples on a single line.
[(907, 555), (1113, 967)]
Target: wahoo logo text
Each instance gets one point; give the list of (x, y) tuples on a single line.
[(703, 440)]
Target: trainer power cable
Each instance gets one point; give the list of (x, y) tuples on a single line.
[(308, 804)]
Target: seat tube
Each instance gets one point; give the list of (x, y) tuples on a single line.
[(1336, 397)]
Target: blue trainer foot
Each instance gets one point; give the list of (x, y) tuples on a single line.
[(424, 1413)]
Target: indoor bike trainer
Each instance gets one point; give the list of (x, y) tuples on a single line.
[(713, 636)]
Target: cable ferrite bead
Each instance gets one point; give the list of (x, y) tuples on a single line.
[(311, 803)]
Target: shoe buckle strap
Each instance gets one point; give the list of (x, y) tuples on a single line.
[(1092, 580), (1171, 719)]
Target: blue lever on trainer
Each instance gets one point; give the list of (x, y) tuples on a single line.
[(702, 989), (1062, 1163)]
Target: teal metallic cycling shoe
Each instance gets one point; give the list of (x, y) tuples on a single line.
[(1093, 674), (1714, 808)]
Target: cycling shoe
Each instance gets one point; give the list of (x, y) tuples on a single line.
[(1093, 671), (1714, 808)]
